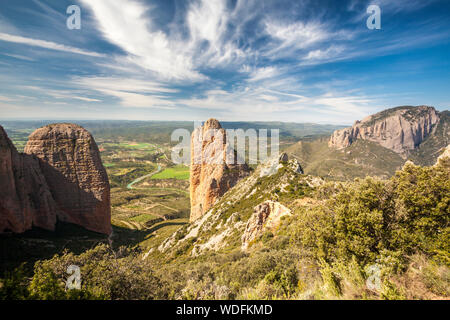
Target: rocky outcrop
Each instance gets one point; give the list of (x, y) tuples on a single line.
[(271, 166), (25, 198), (70, 161), (217, 228), (60, 177), (215, 167), (400, 129), (12, 210), (293, 165), (444, 155), (266, 216)]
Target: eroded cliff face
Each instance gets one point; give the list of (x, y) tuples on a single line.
[(210, 175), (59, 177), (400, 129), (13, 211), (70, 161), (25, 198)]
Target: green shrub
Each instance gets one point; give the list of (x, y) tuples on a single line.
[(14, 285)]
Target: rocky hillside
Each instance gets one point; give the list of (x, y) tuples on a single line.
[(378, 145), (59, 177), (210, 175), (280, 233), (360, 159), (400, 129), (245, 211)]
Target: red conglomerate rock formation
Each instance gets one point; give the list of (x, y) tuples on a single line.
[(25, 198), (70, 162), (210, 175)]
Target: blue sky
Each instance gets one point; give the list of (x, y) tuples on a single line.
[(296, 61)]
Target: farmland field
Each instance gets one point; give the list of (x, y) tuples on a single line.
[(146, 188), (179, 172)]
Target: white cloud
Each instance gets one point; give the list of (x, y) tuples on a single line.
[(294, 36), (351, 105), (59, 94), (263, 73), (263, 103), (123, 23), (297, 34), (130, 92), (86, 99), (246, 102), (17, 56), (331, 54), (7, 99), (122, 84), (208, 22), (202, 40), (46, 44), (324, 54), (137, 100), (68, 95)]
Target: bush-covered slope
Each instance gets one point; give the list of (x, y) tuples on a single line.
[(366, 239)]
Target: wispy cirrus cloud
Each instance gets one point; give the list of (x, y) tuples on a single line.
[(123, 23), (61, 94), (261, 102), (47, 45), (18, 56), (130, 92), (297, 35), (263, 73), (6, 99), (219, 57)]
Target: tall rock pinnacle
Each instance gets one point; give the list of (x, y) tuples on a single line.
[(211, 176)]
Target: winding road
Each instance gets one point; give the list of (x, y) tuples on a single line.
[(130, 185)]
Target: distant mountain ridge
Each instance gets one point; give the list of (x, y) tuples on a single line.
[(161, 131), (378, 145), (400, 129)]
